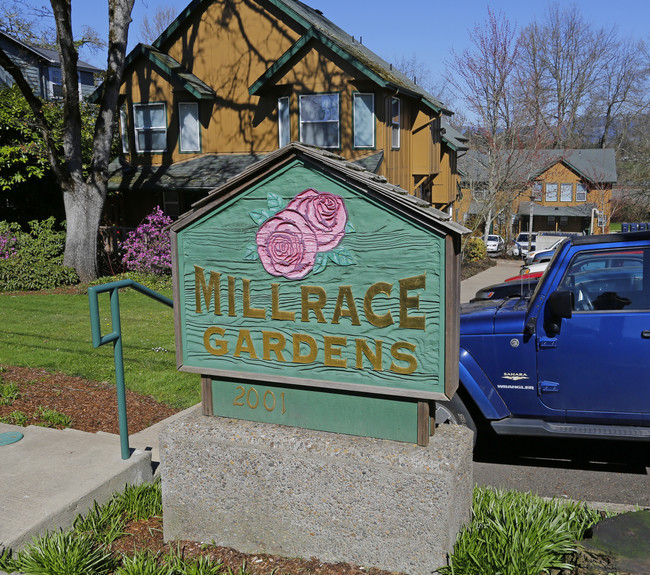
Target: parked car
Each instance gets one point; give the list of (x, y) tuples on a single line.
[(495, 244), (543, 255), (572, 359), (520, 247), (524, 276), (533, 268), (507, 289)]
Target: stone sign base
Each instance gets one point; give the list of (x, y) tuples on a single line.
[(263, 488)]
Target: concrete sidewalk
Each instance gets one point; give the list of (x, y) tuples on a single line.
[(51, 476), (496, 274)]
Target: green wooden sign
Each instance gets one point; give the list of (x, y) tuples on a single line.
[(296, 278), (325, 410)]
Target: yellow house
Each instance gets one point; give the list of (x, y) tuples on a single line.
[(562, 191), (232, 80)]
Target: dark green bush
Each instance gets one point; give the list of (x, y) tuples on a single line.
[(35, 260), (474, 250)]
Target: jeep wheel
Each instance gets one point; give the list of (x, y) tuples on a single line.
[(454, 412)]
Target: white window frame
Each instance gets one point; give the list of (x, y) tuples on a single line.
[(284, 121), (563, 188), (395, 125), (546, 195), (181, 128), (51, 83), (359, 116), (124, 128), (302, 99), (137, 129), (537, 191), (580, 190)]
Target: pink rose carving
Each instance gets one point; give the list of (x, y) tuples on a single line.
[(287, 245), (325, 213)]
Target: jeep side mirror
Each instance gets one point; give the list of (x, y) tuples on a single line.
[(559, 306)]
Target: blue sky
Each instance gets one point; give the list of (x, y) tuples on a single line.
[(428, 29)]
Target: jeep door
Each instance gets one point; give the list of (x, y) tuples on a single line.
[(596, 363)]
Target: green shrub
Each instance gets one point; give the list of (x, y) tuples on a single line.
[(64, 553), (514, 533), (474, 250), (35, 260)]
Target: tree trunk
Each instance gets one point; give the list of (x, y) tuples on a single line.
[(83, 211)]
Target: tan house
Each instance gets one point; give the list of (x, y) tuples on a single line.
[(231, 81), (564, 191)]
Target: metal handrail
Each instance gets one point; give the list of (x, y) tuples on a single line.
[(116, 338)]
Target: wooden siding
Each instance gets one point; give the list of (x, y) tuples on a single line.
[(229, 51), (29, 65)]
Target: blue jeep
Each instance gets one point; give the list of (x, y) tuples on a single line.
[(573, 359)]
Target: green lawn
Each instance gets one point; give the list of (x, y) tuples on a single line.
[(52, 331)]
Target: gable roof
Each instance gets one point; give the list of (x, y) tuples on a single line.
[(316, 28), (49, 56), (368, 183), (453, 138), (177, 75), (597, 166)]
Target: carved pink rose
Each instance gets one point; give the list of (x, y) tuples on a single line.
[(325, 213), (287, 245)]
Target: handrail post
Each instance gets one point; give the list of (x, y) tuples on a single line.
[(119, 374), (116, 338)]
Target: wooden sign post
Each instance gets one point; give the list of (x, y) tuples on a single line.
[(310, 293)]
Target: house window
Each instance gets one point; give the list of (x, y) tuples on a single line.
[(566, 192), (551, 192), (564, 221), (124, 129), (581, 193), (364, 120), (190, 128), (284, 126), (537, 191), (395, 123), (319, 120), (55, 83), (150, 126)]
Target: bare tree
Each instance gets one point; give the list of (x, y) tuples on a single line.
[(504, 148), (28, 24), (84, 195), (150, 30), (561, 60)]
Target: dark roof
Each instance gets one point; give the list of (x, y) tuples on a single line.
[(581, 210), (51, 56), (316, 27), (354, 175), (202, 173), (453, 138), (594, 165), (372, 163)]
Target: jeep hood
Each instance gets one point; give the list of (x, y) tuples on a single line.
[(489, 317)]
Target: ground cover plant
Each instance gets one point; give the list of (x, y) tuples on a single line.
[(510, 534)]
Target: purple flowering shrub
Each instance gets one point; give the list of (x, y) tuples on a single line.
[(147, 249)]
